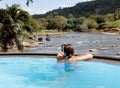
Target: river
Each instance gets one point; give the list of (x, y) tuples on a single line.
[(100, 44)]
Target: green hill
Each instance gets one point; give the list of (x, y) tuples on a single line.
[(86, 8)]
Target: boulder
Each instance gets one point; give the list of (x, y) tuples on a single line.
[(93, 50), (118, 53), (40, 39)]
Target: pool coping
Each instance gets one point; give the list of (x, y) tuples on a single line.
[(26, 53), (53, 54)]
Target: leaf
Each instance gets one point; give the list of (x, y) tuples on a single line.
[(28, 1)]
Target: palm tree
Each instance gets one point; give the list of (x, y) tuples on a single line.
[(13, 20)]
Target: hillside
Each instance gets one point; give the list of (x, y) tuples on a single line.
[(86, 8)]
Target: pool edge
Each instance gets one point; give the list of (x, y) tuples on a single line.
[(54, 55)]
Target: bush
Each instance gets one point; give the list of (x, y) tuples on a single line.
[(79, 28), (113, 24), (99, 19), (91, 23)]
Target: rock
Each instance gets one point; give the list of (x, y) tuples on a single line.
[(118, 38), (26, 44), (40, 39), (118, 53), (31, 38), (93, 50), (47, 37)]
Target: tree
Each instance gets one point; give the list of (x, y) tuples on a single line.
[(70, 22), (59, 22), (13, 20), (78, 23), (91, 23)]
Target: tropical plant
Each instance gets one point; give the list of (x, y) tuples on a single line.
[(13, 20)]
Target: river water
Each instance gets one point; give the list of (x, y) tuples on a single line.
[(101, 44)]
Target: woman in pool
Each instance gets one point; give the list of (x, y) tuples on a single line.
[(68, 53)]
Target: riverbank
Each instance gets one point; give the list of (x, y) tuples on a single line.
[(95, 42), (116, 31)]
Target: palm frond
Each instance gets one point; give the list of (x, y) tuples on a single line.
[(23, 16), (14, 21)]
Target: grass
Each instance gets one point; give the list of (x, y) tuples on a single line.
[(47, 32)]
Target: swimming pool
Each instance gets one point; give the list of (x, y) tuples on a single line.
[(41, 72)]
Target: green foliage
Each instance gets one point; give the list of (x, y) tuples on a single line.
[(70, 22), (117, 14), (100, 19), (91, 23), (80, 20), (34, 24), (25, 33), (78, 28), (109, 17), (84, 16), (13, 20), (56, 22), (59, 22), (83, 27), (78, 24), (113, 24), (42, 24), (50, 22)]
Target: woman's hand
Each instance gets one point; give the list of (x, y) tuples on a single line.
[(60, 56)]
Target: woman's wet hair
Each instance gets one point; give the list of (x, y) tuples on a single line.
[(68, 49)]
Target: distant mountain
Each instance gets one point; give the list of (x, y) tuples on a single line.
[(86, 8)]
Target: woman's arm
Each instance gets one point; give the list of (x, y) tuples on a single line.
[(84, 57)]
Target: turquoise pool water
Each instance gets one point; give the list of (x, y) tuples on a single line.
[(29, 72)]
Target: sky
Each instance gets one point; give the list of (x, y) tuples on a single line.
[(41, 6)]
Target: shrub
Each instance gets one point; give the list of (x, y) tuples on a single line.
[(113, 24), (91, 23)]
